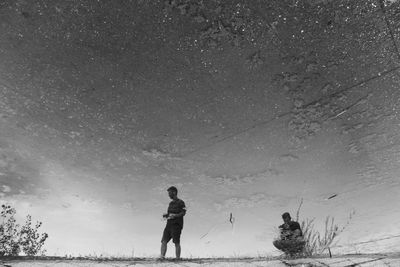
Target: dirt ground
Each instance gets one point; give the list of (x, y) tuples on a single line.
[(340, 261)]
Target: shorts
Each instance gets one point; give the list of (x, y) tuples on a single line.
[(290, 245), (172, 231)]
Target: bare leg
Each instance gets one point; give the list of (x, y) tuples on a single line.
[(163, 249), (178, 251), (278, 244)]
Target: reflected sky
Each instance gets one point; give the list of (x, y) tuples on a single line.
[(246, 107)]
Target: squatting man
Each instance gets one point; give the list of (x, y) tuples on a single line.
[(291, 239)]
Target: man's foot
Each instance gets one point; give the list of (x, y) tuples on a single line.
[(161, 258)]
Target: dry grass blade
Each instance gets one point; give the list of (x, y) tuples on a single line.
[(317, 243)]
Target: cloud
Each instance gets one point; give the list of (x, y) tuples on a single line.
[(238, 180), (237, 202), (18, 172), (155, 154), (288, 158), (6, 189), (253, 201), (267, 235), (158, 155)]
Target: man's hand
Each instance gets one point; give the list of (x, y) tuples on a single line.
[(172, 216), (296, 233), (286, 234), (165, 215)]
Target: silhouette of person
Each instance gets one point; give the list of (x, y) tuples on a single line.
[(291, 237), (173, 229)]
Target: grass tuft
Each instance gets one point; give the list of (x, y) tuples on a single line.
[(318, 243)]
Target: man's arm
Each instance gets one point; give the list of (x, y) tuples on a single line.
[(296, 230), (180, 214), (177, 215), (296, 233)]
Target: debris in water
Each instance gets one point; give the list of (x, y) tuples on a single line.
[(255, 60), (353, 148), (298, 103), (231, 219), (340, 113), (312, 67), (326, 89), (228, 23), (334, 195), (290, 77)]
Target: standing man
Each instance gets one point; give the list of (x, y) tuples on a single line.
[(173, 229)]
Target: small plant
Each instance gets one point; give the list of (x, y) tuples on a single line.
[(317, 243), (30, 239), (8, 232), (14, 238)]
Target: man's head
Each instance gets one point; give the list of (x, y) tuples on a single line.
[(172, 192), (286, 217)]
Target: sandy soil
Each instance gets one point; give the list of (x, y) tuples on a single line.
[(340, 261)]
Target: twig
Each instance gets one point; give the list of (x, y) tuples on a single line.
[(298, 210)]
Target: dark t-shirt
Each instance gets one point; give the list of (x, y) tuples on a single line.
[(292, 226), (175, 207)]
